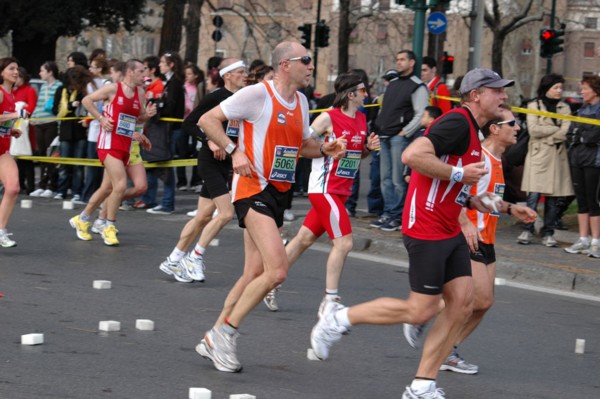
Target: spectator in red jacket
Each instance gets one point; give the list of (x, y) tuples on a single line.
[(24, 92), (435, 85)]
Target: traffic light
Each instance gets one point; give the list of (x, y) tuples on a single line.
[(557, 41), (217, 35), (306, 30), (447, 64), (322, 35), (551, 42)]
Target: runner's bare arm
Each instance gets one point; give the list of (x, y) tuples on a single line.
[(420, 156)]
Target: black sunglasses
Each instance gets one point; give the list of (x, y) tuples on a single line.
[(510, 123), (305, 59)]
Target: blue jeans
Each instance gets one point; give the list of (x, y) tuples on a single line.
[(167, 175), (374, 196), (71, 176), (551, 213), (393, 186), (93, 174)]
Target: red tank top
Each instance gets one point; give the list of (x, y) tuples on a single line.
[(7, 106), (336, 177), (124, 112), (432, 206)]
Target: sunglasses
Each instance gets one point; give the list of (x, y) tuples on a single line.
[(363, 90), (305, 59), (510, 123)]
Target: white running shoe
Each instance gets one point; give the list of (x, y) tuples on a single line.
[(271, 300), (47, 194), (36, 193), (329, 305), (6, 242), (413, 334), (98, 226), (456, 363), (288, 215), (324, 334), (220, 348), (193, 213), (579, 247), (438, 393), (174, 269), (194, 267)]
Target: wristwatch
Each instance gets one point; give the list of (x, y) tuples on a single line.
[(230, 148)]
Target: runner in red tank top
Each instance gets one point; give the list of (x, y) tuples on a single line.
[(9, 173), (445, 162), (331, 184), (125, 107)]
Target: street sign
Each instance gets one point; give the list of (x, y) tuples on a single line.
[(437, 22)]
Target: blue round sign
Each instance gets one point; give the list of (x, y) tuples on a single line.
[(437, 22)]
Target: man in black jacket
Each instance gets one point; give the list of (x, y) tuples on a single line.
[(400, 117)]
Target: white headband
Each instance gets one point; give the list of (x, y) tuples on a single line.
[(231, 67)]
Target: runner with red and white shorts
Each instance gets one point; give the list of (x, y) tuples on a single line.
[(330, 184), (125, 108)]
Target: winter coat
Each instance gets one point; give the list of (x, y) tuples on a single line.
[(546, 169)]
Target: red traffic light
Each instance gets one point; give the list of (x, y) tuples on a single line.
[(547, 34)]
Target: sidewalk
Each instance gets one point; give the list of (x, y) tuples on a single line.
[(532, 264)]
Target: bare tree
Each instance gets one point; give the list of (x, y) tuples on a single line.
[(192, 30), (494, 18), (170, 35)]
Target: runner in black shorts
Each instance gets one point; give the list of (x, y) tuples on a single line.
[(445, 162), (214, 167)]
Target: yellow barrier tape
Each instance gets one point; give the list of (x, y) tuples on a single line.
[(453, 99), (589, 121), (96, 162)]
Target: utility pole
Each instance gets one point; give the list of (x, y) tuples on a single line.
[(552, 16), (477, 13), (419, 34), (316, 53)]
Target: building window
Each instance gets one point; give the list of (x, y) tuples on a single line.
[(590, 23), (589, 50), (306, 4), (382, 32), (278, 6)]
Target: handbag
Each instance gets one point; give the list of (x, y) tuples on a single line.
[(21, 145), (159, 135)]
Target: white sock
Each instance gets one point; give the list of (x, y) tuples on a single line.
[(84, 217), (176, 255), (595, 241), (585, 240), (422, 386), (3, 232), (331, 295), (197, 252), (342, 318)]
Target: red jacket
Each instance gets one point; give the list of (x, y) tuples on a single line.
[(436, 88)]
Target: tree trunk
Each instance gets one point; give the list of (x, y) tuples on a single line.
[(192, 31), (497, 45), (344, 36), (31, 54), (170, 35)]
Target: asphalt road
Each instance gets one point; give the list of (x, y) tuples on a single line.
[(524, 348)]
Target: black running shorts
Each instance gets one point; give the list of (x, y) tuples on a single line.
[(214, 174), (269, 202), (433, 263), (485, 254)]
